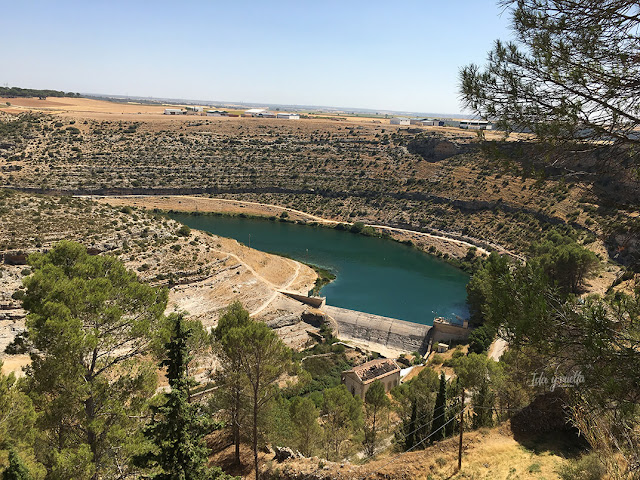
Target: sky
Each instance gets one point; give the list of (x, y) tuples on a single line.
[(383, 55)]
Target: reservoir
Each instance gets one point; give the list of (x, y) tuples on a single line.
[(373, 275)]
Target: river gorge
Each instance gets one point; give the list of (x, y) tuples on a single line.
[(373, 275)]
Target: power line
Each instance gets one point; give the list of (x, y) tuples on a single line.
[(409, 449), (505, 409), (429, 413)]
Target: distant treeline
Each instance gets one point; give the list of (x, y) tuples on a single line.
[(30, 92)]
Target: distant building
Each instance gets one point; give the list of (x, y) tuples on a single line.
[(288, 116), (476, 125), (427, 122), (174, 111), (195, 110), (255, 112), (400, 121), (432, 123), (217, 113), (359, 379)]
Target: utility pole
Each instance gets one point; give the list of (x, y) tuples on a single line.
[(461, 429)]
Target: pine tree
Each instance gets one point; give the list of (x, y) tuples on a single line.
[(453, 392), (306, 430), (570, 75), (232, 385), (177, 429), (16, 469), (263, 357), (439, 417), (483, 402), (91, 324)]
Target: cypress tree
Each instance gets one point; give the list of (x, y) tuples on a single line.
[(483, 402), (410, 440), (454, 391), (16, 469), (439, 417), (177, 430)]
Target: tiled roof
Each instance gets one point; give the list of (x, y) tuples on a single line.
[(374, 369)]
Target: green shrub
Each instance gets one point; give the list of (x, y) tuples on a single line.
[(18, 295), (183, 231), (357, 227), (437, 359), (587, 467)]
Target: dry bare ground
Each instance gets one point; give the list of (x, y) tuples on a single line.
[(336, 168), (488, 454), (205, 273)]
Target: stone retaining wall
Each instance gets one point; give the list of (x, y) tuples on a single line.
[(385, 331)]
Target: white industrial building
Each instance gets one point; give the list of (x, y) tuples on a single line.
[(255, 112), (217, 113), (400, 121), (195, 110), (288, 116), (475, 125), (174, 111)]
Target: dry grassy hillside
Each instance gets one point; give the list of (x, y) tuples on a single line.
[(346, 169), (489, 454)]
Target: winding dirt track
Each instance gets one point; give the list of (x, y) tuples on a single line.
[(373, 225), (289, 282), (275, 294)]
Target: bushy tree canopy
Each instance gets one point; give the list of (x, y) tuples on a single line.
[(90, 322), (571, 73)]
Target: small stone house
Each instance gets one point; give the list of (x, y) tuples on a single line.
[(359, 379)]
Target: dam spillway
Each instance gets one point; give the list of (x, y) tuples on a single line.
[(385, 331)]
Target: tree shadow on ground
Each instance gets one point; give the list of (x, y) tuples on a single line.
[(544, 426)]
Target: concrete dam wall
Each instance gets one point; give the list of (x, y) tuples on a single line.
[(389, 332)]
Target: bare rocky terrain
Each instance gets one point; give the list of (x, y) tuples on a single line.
[(204, 273), (341, 169), (432, 180)]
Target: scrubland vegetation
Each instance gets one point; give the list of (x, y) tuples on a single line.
[(343, 172), (565, 198)]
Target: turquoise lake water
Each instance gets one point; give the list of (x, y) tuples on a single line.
[(373, 275)]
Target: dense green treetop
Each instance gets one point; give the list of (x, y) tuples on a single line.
[(570, 73), (91, 323), (32, 92)]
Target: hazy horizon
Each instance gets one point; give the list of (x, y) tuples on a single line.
[(359, 55)]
